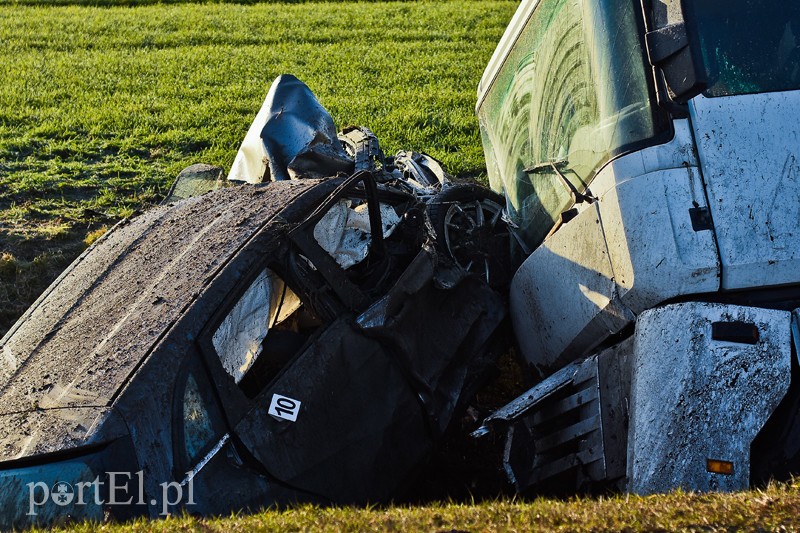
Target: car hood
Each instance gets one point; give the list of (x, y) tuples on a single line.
[(81, 341)]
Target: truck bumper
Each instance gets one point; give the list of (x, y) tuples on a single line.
[(705, 379), (678, 404)]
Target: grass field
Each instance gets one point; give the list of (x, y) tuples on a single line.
[(100, 107), (774, 509)]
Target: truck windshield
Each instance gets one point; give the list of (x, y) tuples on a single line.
[(573, 89), (748, 46)]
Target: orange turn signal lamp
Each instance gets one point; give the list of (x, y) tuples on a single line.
[(719, 467)]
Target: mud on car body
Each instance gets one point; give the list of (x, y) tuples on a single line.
[(260, 344)]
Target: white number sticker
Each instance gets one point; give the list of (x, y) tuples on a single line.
[(283, 407)]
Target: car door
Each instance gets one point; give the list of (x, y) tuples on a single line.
[(328, 405)]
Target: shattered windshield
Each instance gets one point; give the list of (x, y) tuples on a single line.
[(572, 93), (748, 46)]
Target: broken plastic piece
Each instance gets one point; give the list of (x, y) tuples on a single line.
[(195, 180)]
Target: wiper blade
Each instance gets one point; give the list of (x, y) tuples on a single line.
[(546, 166), (556, 167)]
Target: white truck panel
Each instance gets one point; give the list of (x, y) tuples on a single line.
[(677, 153), (633, 249), (694, 398), (749, 146), (655, 252), (563, 299)]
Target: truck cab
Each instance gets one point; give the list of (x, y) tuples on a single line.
[(648, 154)]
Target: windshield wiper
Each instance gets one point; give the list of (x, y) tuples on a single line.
[(556, 167)]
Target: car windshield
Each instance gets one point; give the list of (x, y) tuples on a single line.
[(573, 90), (748, 46)]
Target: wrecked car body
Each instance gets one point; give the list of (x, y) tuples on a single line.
[(296, 340)]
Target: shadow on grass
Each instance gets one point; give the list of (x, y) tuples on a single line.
[(29, 263)]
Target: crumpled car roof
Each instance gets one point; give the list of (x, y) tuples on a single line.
[(79, 343)]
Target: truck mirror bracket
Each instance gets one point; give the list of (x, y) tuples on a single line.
[(670, 50)]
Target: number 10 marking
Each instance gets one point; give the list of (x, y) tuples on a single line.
[(284, 407)]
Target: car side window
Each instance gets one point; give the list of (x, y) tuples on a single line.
[(199, 416), (266, 326), (239, 339)]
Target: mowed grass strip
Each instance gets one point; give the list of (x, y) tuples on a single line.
[(100, 108)]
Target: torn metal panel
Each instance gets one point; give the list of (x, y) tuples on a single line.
[(569, 432), (363, 147), (421, 170), (293, 136)]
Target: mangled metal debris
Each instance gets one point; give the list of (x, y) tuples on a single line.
[(283, 340), (292, 136)]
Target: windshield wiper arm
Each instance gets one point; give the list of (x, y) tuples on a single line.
[(554, 166)]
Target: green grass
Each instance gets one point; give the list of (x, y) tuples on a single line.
[(774, 509), (101, 107)]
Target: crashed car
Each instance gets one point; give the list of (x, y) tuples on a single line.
[(305, 337)]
